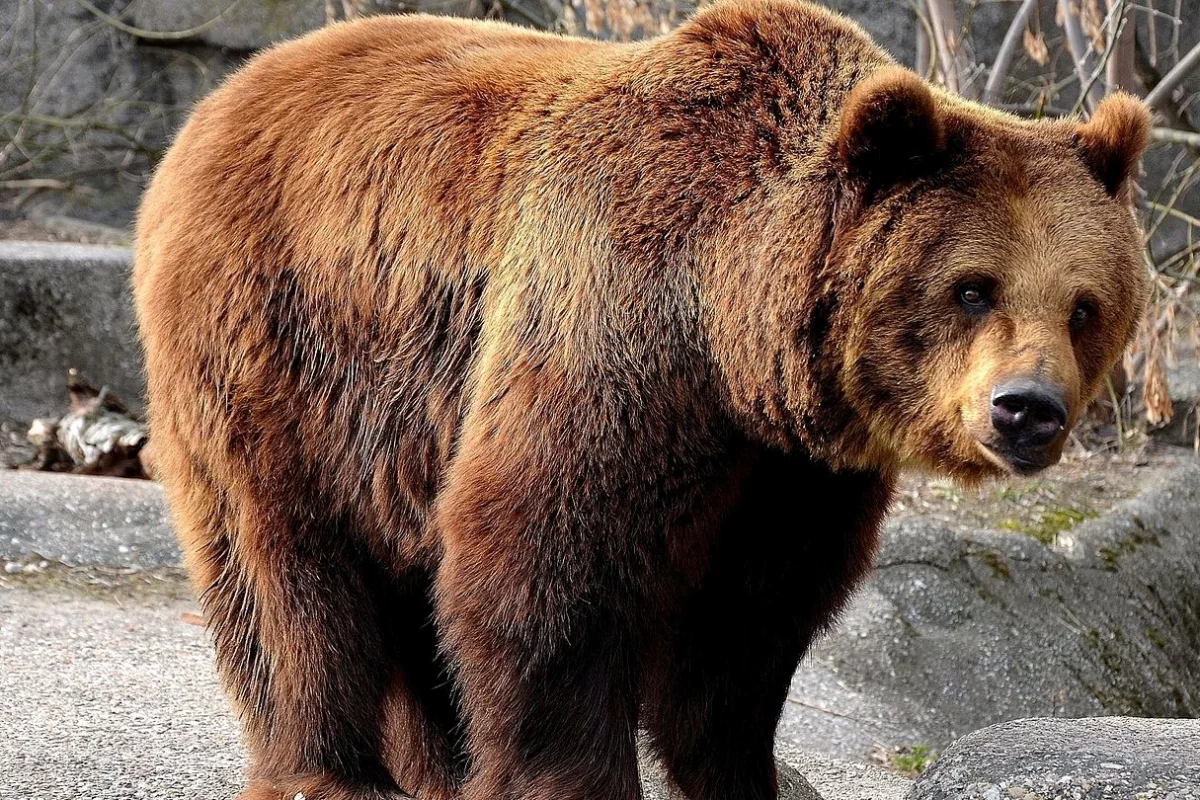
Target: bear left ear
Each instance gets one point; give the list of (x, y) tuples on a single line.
[(890, 124), (1113, 140)]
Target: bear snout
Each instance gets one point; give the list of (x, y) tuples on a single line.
[(1029, 421)]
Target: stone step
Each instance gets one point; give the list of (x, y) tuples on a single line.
[(64, 306)]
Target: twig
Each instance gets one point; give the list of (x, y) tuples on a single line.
[(1078, 47), (1120, 71), (1173, 136), (36, 183), (1175, 212), (1173, 78), (1164, 321), (941, 19), (1008, 49), (1102, 68), (839, 715), (162, 36)]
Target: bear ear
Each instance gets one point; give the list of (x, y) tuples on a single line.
[(1113, 140), (890, 124)]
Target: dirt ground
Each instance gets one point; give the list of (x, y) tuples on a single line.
[(1083, 486)]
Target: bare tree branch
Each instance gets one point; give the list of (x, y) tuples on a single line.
[(945, 42), (1186, 138), (1008, 49), (162, 36), (1115, 22), (1188, 64), (1080, 51), (1120, 73), (924, 60)]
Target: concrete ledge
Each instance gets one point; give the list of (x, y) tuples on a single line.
[(63, 306), (84, 521)]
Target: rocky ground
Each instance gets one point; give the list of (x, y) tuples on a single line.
[(1096, 759)]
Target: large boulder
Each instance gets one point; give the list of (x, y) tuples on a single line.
[(1061, 759), (967, 625)]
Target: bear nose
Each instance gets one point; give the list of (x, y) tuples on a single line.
[(1028, 413)]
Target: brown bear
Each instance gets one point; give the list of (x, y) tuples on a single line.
[(515, 393)]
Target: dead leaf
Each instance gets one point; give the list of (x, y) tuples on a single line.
[(1035, 46), (192, 618)]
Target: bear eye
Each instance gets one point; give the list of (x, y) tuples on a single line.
[(1084, 310), (975, 296)]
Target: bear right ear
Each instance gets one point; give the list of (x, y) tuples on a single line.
[(890, 124), (1113, 141)]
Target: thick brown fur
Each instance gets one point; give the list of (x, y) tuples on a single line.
[(512, 391)]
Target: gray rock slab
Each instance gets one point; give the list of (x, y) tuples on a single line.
[(109, 701), (957, 631), (1058, 759), (64, 306), (84, 521)]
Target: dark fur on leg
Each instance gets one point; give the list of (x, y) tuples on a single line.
[(778, 580)]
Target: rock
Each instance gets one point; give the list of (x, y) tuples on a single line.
[(1061, 759), (836, 779), (959, 630), (1183, 383), (64, 306), (84, 521)]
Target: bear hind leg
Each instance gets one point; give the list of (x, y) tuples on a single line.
[(296, 627), (423, 736)]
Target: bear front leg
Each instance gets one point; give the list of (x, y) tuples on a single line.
[(554, 720), (790, 553), (536, 609)]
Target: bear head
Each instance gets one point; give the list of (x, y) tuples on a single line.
[(1002, 272)]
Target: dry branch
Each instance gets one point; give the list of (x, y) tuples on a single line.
[(163, 36), (1186, 66), (1080, 50), (97, 436), (1008, 49)]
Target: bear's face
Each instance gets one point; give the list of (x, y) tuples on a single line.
[(1004, 276)]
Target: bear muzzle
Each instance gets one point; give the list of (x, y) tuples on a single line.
[(1029, 424)]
